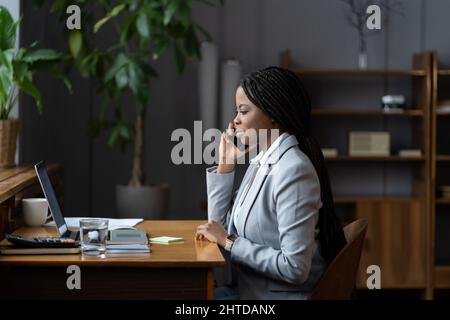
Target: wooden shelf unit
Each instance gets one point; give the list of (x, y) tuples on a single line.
[(439, 166), (442, 200), (356, 72), (443, 72), (373, 158), (365, 113), (442, 157), (442, 277), (398, 236)]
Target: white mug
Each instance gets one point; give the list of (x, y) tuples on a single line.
[(35, 211)]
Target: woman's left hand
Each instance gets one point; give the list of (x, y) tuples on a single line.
[(213, 231)]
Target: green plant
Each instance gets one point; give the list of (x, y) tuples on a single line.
[(18, 66), (143, 30)]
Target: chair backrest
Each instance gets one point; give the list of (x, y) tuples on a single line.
[(339, 279)]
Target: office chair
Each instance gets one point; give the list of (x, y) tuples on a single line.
[(338, 281)]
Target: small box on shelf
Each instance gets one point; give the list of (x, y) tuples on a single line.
[(369, 143), (410, 153), (329, 152)]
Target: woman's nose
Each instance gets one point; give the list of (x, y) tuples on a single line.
[(236, 120)]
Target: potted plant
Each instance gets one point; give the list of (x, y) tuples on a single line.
[(143, 31), (17, 67)]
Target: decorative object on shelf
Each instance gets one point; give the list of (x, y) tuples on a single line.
[(410, 153), (329, 152), (443, 106), (143, 31), (357, 17), (367, 143), (230, 77), (208, 84), (17, 67), (393, 103)]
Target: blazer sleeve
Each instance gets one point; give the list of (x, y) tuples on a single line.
[(297, 202), (219, 188)]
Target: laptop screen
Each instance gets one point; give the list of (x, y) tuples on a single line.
[(49, 193)]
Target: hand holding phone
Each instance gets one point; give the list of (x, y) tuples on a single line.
[(231, 134)]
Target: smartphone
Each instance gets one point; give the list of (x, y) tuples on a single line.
[(236, 141)]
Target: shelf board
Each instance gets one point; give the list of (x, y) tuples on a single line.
[(442, 277), (354, 199), (442, 157), (443, 200), (356, 72), (373, 158), (355, 112), (443, 114), (444, 72)]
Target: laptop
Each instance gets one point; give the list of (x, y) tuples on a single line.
[(53, 204)]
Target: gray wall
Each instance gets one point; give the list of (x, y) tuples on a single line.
[(254, 31)]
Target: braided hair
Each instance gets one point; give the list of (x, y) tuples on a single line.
[(282, 96)]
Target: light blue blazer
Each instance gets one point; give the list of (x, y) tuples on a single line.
[(276, 254)]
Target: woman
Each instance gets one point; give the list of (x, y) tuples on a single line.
[(280, 228)]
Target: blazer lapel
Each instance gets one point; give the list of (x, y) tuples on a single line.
[(253, 193), (247, 176)]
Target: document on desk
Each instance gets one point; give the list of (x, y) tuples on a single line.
[(112, 223)]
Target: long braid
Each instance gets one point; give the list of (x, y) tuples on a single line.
[(282, 96)]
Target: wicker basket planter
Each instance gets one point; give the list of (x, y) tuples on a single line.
[(8, 139)]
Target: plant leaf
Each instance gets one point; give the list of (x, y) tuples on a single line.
[(114, 12), (32, 56), (121, 78), (6, 75), (170, 10), (58, 5), (28, 87), (120, 61), (75, 42), (7, 30), (142, 25), (113, 137)]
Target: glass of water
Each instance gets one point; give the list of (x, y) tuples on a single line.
[(93, 235)]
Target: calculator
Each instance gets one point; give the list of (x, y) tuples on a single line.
[(41, 242)]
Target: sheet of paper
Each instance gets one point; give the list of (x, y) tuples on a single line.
[(112, 224)]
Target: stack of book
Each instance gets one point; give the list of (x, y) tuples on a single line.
[(127, 242)]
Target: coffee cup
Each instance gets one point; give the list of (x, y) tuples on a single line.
[(35, 211)]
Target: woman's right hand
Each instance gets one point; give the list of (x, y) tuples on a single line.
[(228, 152)]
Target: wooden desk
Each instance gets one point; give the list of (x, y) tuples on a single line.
[(21, 182), (176, 271)]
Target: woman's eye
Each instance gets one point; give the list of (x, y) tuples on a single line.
[(243, 112)]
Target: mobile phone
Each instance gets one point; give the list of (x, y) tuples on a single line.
[(236, 141)]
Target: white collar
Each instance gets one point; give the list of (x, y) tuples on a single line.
[(262, 156)]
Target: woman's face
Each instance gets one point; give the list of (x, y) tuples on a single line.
[(249, 118)]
